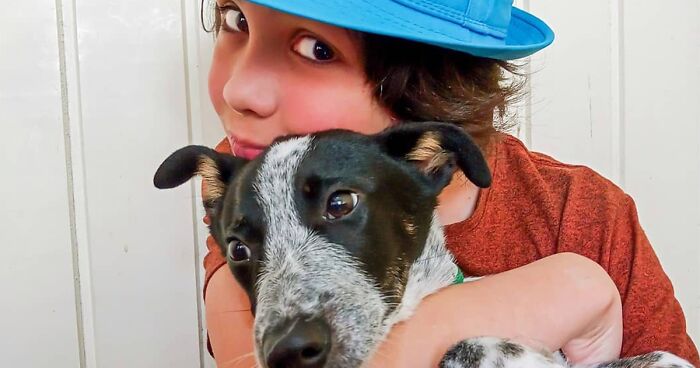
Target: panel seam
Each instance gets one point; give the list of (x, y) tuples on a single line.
[(618, 91), (70, 185), (190, 138)]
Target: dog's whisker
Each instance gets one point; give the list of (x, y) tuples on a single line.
[(431, 258), (239, 359), (381, 354), (388, 343)]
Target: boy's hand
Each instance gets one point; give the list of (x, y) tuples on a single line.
[(564, 301)]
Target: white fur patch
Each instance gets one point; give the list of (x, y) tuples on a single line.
[(304, 275), (432, 271), (670, 360)]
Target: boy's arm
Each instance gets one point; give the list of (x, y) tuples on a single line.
[(229, 321), (562, 301), (539, 304), (653, 318)]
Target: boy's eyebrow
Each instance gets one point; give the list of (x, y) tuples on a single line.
[(235, 3), (353, 33)]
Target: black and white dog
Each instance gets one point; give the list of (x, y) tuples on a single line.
[(334, 238)]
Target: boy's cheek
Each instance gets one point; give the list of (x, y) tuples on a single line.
[(312, 113), (215, 86)]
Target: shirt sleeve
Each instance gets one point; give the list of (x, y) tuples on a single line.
[(652, 316), (213, 259)]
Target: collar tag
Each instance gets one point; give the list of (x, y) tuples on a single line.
[(459, 277)]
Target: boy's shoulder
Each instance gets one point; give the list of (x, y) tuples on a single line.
[(567, 199), (223, 146), (517, 167)]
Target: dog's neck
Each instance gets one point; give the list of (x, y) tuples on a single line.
[(432, 271)]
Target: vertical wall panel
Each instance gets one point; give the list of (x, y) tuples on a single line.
[(520, 111), (571, 85), (203, 122), (207, 130), (72, 108), (212, 132), (134, 109), (614, 92), (606, 51), (662, 110), (38, 311)]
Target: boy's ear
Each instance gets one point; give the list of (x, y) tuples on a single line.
[(437, 149), (216, 170)]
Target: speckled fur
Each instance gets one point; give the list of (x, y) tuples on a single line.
[(298, 273), (301, 274), (306, 276)]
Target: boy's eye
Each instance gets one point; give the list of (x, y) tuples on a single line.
[(314, 49), (232, 20)]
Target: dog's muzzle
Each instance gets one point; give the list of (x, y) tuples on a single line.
[(299, 343)]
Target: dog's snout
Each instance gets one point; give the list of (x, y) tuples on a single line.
[(298, 344)]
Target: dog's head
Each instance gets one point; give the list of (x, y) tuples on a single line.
[(322, 231)]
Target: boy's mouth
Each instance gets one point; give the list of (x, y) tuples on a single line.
[(244, 149)]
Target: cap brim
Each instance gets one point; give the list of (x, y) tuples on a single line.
[(526, 33)]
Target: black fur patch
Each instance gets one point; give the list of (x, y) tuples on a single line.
[(641, 361), (510, 350), (389, 190), (464, 354)]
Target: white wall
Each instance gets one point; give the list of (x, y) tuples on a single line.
[(98, 268), (618, 91)]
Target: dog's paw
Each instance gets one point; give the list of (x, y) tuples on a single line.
[(657, 359), (668, 360), (491, 352)]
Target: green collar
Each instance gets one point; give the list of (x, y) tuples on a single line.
[(459, 277)]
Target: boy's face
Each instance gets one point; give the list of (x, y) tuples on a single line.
[(274, 74)]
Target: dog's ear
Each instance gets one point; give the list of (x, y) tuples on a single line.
[(436, 148), (216, 170)]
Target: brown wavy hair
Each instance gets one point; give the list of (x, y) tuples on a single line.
[(421, 82)]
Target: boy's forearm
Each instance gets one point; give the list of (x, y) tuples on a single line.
[(229, 322), (563, 301)]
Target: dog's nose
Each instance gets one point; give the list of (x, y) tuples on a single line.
[(298, 344)]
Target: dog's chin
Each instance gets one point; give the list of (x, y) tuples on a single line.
[(351, 344), (363, 348), (340, 356), (344, 361)]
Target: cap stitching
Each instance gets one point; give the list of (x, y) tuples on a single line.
[(394, 19), (499, 31), (438, 8)]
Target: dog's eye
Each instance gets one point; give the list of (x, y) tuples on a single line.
[(238, 251), (340, 204)]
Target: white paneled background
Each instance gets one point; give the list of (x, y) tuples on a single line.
[(99, 269)]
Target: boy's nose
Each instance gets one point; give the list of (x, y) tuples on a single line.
[(298, 344), (251, 89)]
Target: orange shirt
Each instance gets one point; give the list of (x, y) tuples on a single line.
[(538, 206)]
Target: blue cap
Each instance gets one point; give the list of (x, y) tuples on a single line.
[(487, 28)]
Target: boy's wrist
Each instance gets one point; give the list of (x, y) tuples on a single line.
[(603, 339), (574, 306)]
